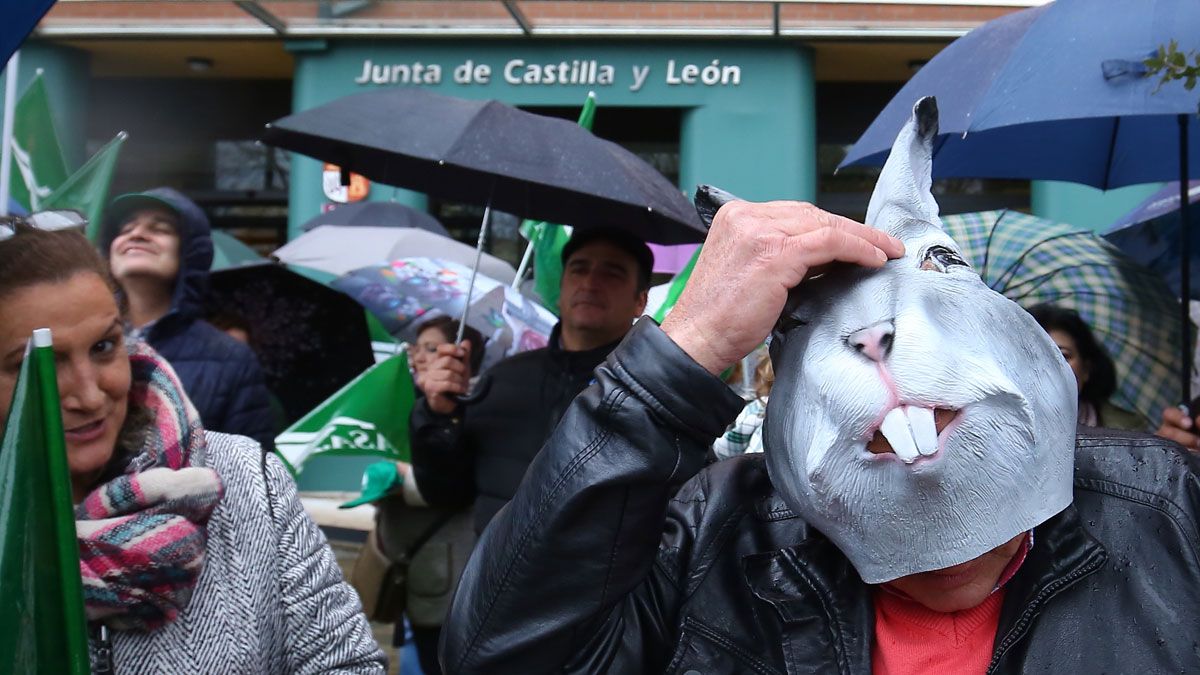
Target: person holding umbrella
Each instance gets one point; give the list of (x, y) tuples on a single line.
[(159, 247), (478, 452), (195, 551)]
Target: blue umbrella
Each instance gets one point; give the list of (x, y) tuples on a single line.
[(1150, 234), (18, 18), (1060, 92)]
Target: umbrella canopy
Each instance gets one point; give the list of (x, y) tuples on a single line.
[(672, 259), (1150, 235), (228, 251), (408, 291), (310, 339), (488, 153), (1031, 260), (1055, 92), (377, 214), (338, 250), (19, 20)]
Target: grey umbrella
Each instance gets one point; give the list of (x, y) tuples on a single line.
[(377, 214)]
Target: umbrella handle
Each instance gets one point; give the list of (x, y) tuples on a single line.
[(476, 395)]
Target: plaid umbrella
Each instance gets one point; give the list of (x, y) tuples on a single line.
[(1031, 261)]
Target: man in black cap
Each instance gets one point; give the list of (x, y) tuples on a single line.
[(159, 246), (479, 452)]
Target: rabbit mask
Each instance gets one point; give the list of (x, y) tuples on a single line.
[(919, 419)]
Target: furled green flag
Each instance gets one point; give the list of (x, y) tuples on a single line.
[(86, 190), (548, 239), (42, 625), (38, 167), (368, 416), (677, 283)]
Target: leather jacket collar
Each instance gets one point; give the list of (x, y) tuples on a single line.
[(813, 582)]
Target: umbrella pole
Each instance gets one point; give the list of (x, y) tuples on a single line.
[(1185, 247), (462, 320), (516, 284)]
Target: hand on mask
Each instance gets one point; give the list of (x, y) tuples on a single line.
[(1178, 427), (754, 255)]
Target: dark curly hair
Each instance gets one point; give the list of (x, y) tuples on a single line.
[(1102, 374)]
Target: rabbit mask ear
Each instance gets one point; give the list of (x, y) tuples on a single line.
[(903, 190), (918, 419)]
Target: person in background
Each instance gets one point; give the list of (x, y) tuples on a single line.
[(745, 434), (1094, 371), (159, 247), (438, 331), (479, 452), (435, 543), (195, 552)]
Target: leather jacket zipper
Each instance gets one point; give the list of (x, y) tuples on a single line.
[(1018, 631)]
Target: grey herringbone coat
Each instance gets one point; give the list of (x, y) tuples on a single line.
[(271, 598)]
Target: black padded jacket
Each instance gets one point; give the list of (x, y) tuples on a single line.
[(481, 452), (600, 565)]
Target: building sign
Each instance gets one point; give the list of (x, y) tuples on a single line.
[(585, 72), (331, 183)]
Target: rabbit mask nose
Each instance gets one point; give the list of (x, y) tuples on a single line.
[(874, 341)]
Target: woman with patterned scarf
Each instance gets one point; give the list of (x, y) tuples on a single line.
[(195, 553)]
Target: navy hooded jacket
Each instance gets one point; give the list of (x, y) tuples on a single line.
[(221, 376)]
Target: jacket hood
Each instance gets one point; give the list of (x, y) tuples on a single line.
[(195, 242)]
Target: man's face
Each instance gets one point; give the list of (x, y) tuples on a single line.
[(962, 586), (599, 289), (147, 246)]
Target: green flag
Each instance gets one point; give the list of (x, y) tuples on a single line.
[(38, 167), (548, 239), (368, 416), (86, 190), (41, 593), (677, 283)]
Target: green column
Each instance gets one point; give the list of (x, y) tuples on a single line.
[(1085, 206), (761, 145)]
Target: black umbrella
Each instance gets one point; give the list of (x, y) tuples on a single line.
[(377, 214), (310, 339), (488, 153)]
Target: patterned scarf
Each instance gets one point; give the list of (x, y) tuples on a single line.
[(142, 533)]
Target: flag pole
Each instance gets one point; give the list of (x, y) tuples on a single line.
[(10, 105), (516, 284)]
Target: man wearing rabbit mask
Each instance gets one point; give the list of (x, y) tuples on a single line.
[(924, 504)]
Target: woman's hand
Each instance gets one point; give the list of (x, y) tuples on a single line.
[(1178, 427), (446, 377)]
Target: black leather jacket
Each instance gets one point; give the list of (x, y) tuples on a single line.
[(596, 567)]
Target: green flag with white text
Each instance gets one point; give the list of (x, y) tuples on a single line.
[(86, 190), (548, 239), (368, 416), (42, 629), (38, 167)]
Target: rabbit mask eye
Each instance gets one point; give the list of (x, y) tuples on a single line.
[(941, 259)]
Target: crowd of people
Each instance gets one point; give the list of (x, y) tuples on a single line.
[(608, 502)]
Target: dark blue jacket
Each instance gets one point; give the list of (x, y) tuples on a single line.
[(221, 376)]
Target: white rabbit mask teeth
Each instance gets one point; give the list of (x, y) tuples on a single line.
[(918, 419)]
